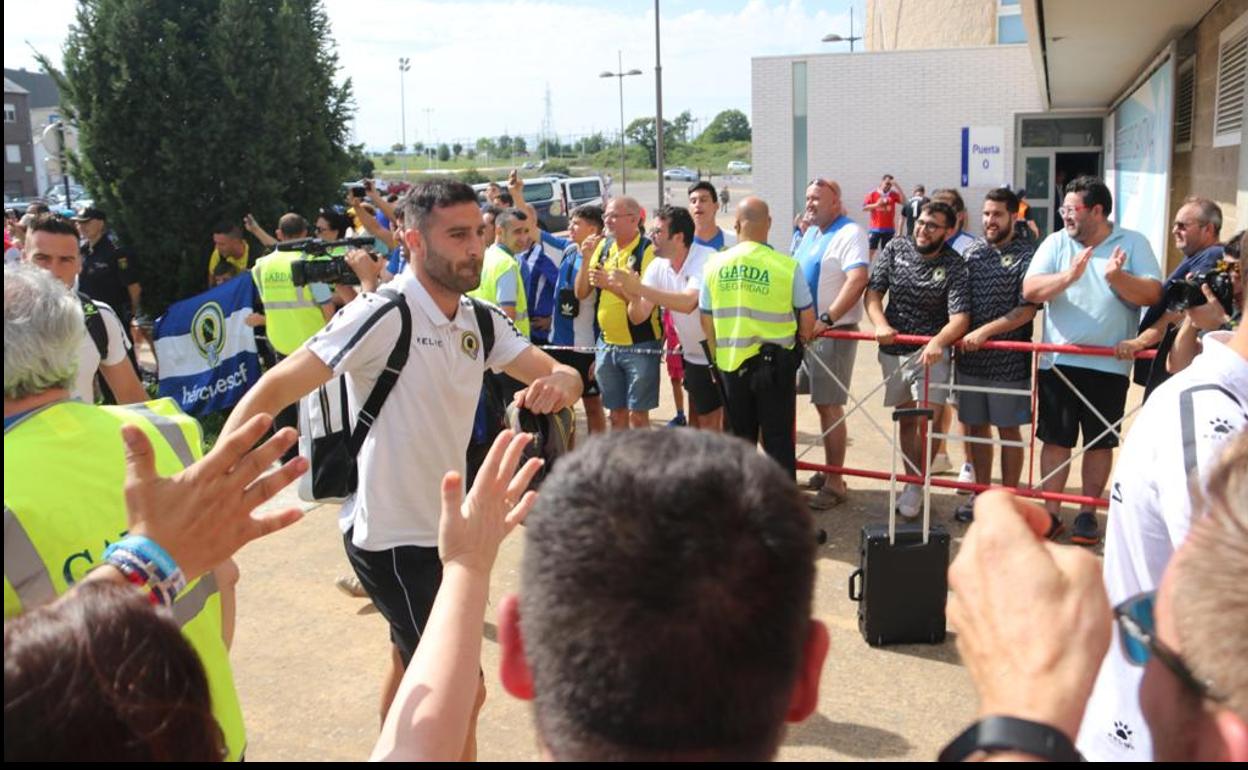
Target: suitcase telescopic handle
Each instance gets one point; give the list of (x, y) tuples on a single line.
[(855, 581), (901, 414)]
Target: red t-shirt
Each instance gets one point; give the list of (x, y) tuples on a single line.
[(885, 217)]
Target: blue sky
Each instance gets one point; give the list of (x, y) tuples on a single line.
[(482, 66)]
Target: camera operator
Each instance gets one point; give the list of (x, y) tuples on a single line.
[(1210, 315), (1196, 227)]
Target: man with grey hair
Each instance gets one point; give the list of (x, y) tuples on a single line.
[(52, 244), (42, 332)]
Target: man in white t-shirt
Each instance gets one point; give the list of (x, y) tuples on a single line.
[(1176, 438), (52, 244), (674, 281), (422, 430), (833, 255)]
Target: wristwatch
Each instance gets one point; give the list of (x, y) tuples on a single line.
[(997, 733)]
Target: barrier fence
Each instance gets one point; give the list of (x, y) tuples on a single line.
[(920, 475)]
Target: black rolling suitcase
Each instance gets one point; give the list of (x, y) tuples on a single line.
[(902, 581)]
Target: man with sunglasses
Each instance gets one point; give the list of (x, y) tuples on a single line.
[(1033, 622), (1094, 277)]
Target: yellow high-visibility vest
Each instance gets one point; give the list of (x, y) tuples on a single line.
[(497, 263), (291, 314), (751, 287)]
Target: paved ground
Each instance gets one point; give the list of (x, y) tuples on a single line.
[(308, 660)]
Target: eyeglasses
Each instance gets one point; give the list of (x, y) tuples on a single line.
[(1181, 225), (929, 225), (1137, 626), (821, 182), (1069, 211)]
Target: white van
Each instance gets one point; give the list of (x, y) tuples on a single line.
[(554, 199)]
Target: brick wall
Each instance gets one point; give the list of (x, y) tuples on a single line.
[(899, 112)]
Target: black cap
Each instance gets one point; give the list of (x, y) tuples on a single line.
[(552, 436), (87, 213)]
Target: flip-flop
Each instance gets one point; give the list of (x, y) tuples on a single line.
[(819, 501)]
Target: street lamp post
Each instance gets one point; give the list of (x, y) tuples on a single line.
[(620, 75), (835, 38), (405, 64), (429, 143), (658, 109)]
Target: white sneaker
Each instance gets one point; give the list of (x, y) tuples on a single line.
[(966, 476), (911, 501), (350, 585), (941, 464)]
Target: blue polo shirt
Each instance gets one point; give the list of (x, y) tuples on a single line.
[(1090, 312)]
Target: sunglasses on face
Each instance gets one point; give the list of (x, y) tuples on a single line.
[(1137, 627)]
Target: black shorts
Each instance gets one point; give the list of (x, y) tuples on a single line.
[(1063, 414), (703, 394), (402, 582), (581, 362), (878, 240)]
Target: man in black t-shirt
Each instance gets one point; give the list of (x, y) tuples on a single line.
[(995, 268), (927, 287), (910, 212)]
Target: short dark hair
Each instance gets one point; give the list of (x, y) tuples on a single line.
[(952, 197), (100, 674), (665, 606), (37, 208), (336, 218), (505, 198), (492, 210), (944, 209), (1092, 192), (1004, 195), (1234, 245), (590, 213), (509, 215), (419, 202), (704, 185), (231, 229), (54, 224), (679, 222), (292, 225)]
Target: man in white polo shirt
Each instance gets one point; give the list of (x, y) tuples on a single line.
[(833, 255), (423, 428), (674, 281)]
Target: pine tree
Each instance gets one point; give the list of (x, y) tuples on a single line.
[(198, 112)]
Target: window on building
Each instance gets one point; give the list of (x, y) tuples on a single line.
[(1010, 23), (1185, 105), (10, 113), (12, 153), (1228, 106)]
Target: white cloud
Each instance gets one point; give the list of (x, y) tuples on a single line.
[(483, 66)]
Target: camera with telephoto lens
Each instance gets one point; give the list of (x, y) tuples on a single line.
[(1186, 293), (334, 270)]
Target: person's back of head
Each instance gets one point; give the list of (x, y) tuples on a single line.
[(43, 328), (292, 227), (100, 675), (665, 607), (753, 220)]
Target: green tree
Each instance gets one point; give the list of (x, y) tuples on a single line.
[(387, 159), (728, 126), (457, 149), (193, 113), (503, 143), (444, 152), (519, 146), (680, 127), (471, 153), (593, 143), (418, 148), (642, 132), (486, 146), (361, 162), (398, 148)]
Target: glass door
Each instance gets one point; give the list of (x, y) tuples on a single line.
[(1037, 179)]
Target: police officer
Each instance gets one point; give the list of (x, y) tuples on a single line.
[(756, 306), (54, 532)]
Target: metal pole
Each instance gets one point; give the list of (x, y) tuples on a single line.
[(62, 157), (623, 168), (658, 96), (404, 65), (851, 28)]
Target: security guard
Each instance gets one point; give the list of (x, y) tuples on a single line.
[(755, 305), (292, 314), (55, 532), (501, 281)]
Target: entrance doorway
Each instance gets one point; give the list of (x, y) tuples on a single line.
[(1054, 149)]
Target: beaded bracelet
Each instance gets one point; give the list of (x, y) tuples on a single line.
[(145, 564)]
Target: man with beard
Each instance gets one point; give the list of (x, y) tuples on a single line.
[(995, 268), (1094, 277), (421, 431), (926, 283)]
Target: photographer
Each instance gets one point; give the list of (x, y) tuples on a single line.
[(1210, 315)]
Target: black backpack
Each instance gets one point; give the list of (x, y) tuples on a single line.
[(95, 324)]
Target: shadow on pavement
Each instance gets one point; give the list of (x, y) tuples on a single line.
[(847, 738)]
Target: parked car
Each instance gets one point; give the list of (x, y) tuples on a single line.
[(554, 198), (680, 174), (738, 166)]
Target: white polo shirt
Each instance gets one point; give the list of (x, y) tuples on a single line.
[(423, 429), (89, 359), (825, 256), (662, 276), (1177, 436)]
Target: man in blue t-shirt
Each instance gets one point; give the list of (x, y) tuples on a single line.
[(575, 321), (1094, 277), (703, 206)]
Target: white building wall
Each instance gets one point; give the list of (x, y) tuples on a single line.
[(897, 112)]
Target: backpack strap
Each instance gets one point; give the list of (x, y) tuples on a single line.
[(485, 324), (94, 321), (639, 253), (390, 375)]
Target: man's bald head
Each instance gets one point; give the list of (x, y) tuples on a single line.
[(623, 218), (753, 220)]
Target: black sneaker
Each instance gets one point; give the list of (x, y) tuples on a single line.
[(966, 511), (1085, 530), (1056, 527)]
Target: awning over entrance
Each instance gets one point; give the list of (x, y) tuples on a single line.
[(1087, 52)]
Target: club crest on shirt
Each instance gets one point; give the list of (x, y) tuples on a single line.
[(1007, 261), (938, 275), (470, 344)]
